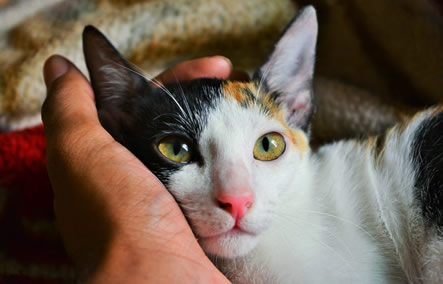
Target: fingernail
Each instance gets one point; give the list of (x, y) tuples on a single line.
[(55, 67), (225, 59)]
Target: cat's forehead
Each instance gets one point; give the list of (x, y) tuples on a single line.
[(247, 110), (247, 94), (242, 92), (204, 94), (222, 108)]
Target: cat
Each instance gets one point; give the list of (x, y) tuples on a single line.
[(263, 205)]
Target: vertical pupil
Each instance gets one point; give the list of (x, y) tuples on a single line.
[(265, 144), (176, 146)]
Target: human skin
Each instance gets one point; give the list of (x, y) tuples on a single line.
[(118, 223)]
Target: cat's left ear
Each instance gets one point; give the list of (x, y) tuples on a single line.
[(114, 80), (288, 72)]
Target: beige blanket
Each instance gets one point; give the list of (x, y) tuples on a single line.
[(377, 60)]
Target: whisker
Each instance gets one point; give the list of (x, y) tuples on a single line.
[(185, 100), (313, 237), (156, 83), (174, 115), (262, 80), (343, 220)]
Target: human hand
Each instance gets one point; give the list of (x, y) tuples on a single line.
[(117, 221)]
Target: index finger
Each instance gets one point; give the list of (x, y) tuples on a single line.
[(211, 67)]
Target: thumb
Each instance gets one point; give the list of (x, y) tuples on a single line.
[(55, 67), (69, 106)]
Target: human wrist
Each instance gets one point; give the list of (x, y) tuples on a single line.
[(125, 264)]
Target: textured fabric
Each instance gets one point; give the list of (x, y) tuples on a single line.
[(30, 248), (158, 33)]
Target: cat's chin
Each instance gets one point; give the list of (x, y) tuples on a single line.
[(232, 244)]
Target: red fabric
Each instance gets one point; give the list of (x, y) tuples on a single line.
[(23, 171), (30, 249)]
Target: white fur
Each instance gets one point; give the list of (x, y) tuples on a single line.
[(340, 215), (344, 214)]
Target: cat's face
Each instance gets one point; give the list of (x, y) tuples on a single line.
[(247, 150), (227, 151)]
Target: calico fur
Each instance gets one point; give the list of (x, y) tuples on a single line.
[(357, 211)]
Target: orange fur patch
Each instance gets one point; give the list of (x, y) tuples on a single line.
[(241, 92), (299, 140), (238, 90)]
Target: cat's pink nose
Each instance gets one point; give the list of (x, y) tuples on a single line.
[(237, 206)]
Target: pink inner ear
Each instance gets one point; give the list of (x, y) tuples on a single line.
[(290, 67), (299, 107)]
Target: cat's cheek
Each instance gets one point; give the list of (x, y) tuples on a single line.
[(211, 224), (259, 220)]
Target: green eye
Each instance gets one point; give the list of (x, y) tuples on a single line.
[(269, 147), (175, 149)]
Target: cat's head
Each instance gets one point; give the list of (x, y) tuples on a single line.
[(228, 151)]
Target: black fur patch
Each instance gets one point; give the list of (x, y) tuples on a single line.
[(250, 97), (158, 115), (428, 157)]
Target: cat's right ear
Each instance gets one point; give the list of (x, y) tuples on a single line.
[(288, 72), (113, 79)]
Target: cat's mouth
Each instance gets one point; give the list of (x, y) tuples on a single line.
[(236, 231), (235, 242)]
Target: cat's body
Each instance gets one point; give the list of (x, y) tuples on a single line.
[(359, 220), (264, 207)]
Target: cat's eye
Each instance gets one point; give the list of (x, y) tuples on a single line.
[(269, 147), (175, 149)]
